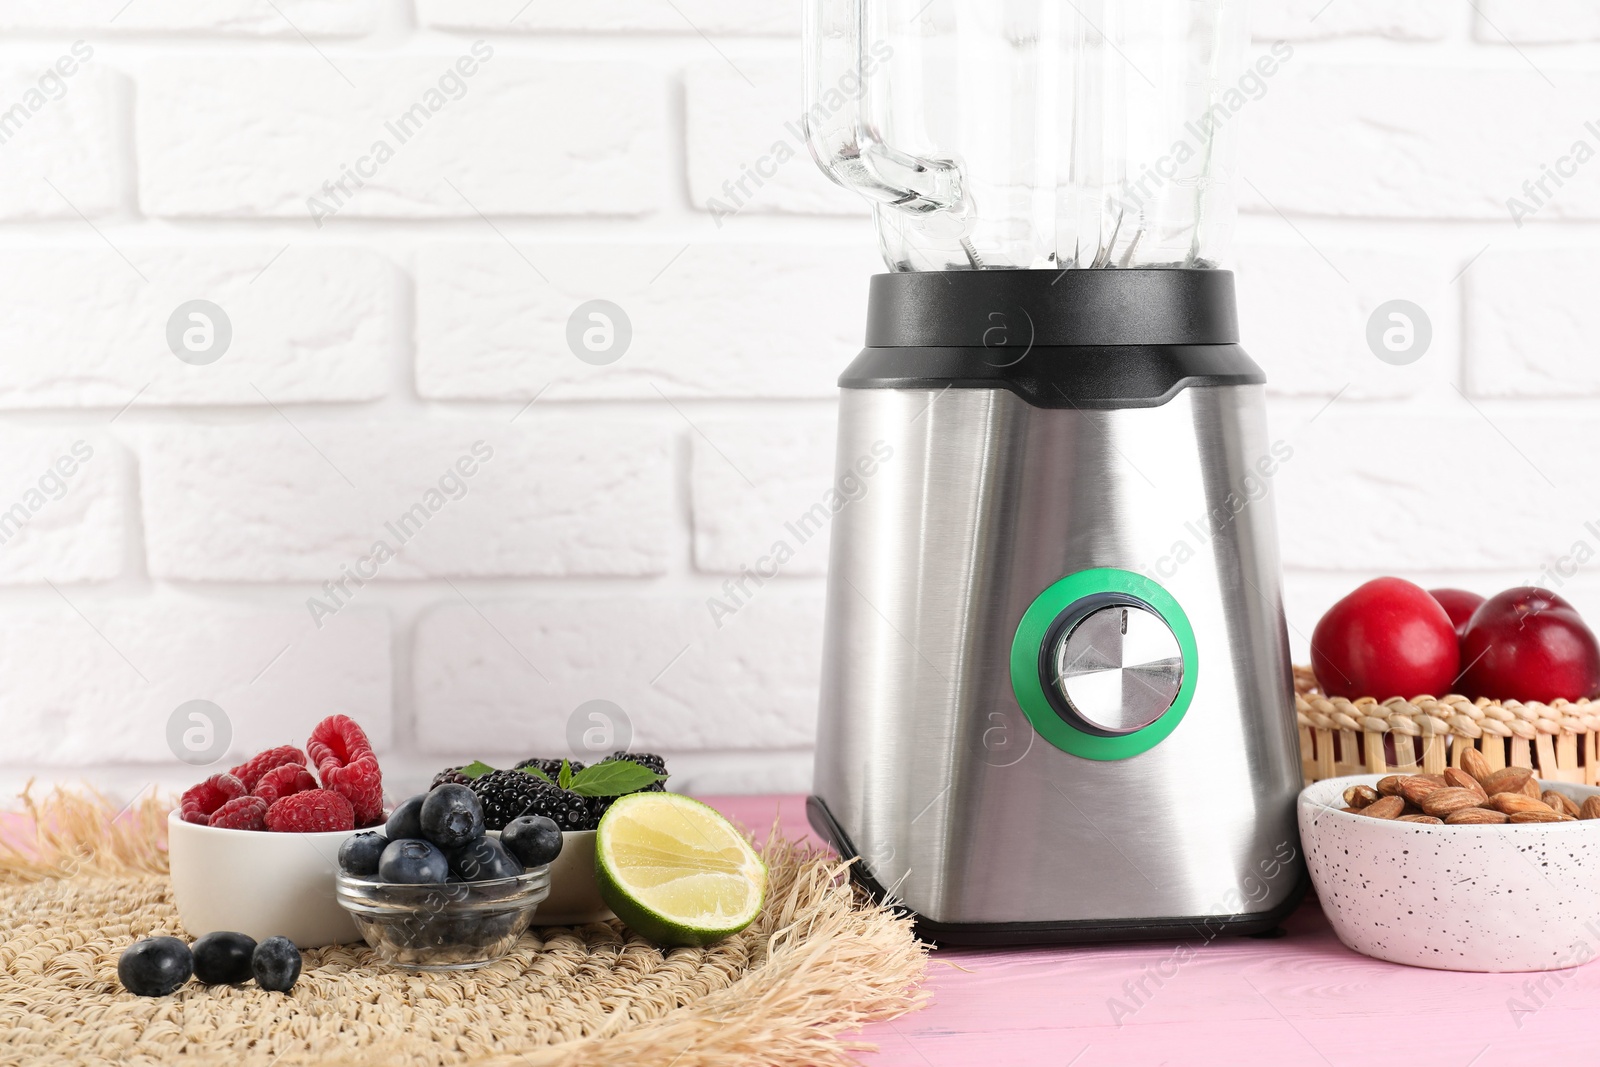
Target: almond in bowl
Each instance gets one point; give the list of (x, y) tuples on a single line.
[(1464, 872)]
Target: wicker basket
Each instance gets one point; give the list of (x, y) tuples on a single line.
[(1426, 735)]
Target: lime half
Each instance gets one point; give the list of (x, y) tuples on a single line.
[(675, 871)]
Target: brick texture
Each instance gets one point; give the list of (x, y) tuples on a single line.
[(314, 501), (406, 137), (701, 318), (101, 686), (510, 676), (87, 330)]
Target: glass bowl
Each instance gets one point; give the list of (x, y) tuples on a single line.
[(452, 926)]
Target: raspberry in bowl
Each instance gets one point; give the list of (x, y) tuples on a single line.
[(255, 849)]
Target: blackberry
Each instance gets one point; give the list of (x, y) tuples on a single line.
[(644, 759), (509, 794), (451, 775), (551, 767)]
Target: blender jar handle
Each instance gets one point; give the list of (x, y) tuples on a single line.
[(847, 145)]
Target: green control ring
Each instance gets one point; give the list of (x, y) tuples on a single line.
[(1028, 643)]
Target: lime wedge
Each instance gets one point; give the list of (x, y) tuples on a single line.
[(675, 871)]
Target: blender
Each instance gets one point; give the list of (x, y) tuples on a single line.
[(1056, 696)]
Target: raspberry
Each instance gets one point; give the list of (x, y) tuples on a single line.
[(347, 765), (241, 813), (361, 783), (250, 771), (314, 811), (201, 800), (284, 781), (338, 739)]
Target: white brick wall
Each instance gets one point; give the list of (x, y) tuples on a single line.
[(198, 553), (551, 496), (502, 677), (615, 16), (1532, 324), (489, 327), (318, 323), (282, 18), (409, 137), (59, 135)]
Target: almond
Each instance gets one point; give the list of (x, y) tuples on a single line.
[(1443, 801), (1422, 819), (1590, 809), (1416, 787), (1454, 776), (1560, 802), (1384, 808), (1473, 763), (1359, 796), (1506, 780), (1511, 803), (1389, 786), (1475, 817), (1541, 816), (1532, 788)]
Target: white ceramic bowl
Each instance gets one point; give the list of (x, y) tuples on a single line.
[(574, 896), (1522, 897), (258, 883)]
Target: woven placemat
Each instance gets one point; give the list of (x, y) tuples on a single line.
[(87, 881)]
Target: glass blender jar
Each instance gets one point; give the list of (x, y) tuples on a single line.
[(1059, 589), (1038, 134)]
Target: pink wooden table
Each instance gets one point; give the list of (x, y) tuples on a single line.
[(1303, 999)]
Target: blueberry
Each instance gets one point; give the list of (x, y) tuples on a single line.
[(276, 964), (475, 931), (406, 819), (533, 839), (452, 815), (358, 856), (412, 862), (483, 860), (223, 958), (155, 966)]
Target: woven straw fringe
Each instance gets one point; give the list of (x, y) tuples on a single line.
[(1557, 740), (82, 881)]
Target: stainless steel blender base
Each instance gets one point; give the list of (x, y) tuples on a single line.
[(925, 760), (1035, 530)]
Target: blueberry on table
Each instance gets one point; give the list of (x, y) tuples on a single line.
[(155, 966), (452, 815), (406, 819), (276, 964), (359, 855), (413, 863), (484, 860), (533, 839), (223, 957)]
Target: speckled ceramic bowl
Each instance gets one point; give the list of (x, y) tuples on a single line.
[(1456, 898)]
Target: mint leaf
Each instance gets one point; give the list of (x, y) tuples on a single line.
[(475, 769), (536, 772), (613, 778), (565, 779)]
